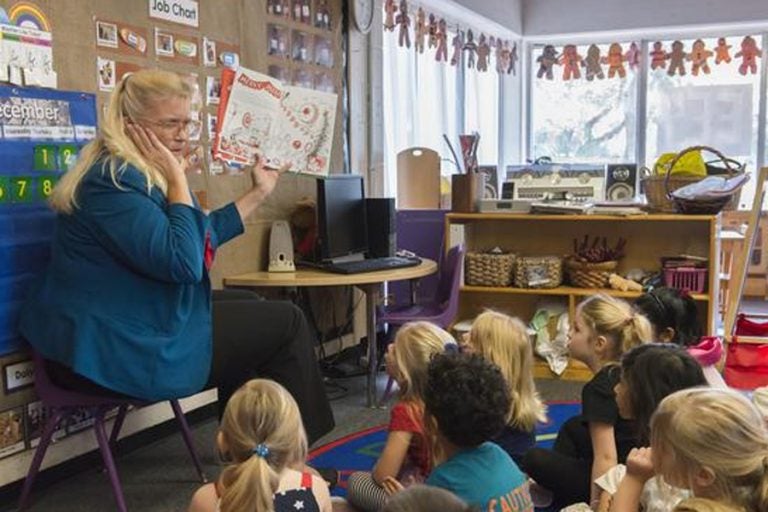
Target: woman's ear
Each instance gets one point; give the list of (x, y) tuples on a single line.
[(667, 335)]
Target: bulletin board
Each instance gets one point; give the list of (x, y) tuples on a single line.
[(96, 42)]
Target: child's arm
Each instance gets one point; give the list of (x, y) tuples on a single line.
[(639, 471), (392, 457), (603, 452)]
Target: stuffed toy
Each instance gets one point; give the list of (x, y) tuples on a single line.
[(458, 43), (592, 63), (658, 56), (615, 61), (483, 52), (633, 56), (722, 51), (749, 54), (677, 59), (699, 56), (513, 60), (389, 15), (571, 62), (420, 30), (547, 60), (441, 55), (404, 21), (471, 47), (432, 31), (617, 282)]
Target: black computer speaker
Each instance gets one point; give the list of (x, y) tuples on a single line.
[(620, 182), (382, 226)]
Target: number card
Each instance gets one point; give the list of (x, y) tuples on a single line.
[(46, 158), (21, 189), (3, 189), (45, 187), (67, 156)]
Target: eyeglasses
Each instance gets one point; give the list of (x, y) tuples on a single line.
[(189, 126)]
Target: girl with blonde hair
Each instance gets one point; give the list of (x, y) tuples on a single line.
[(708, 440), (125, 306), (262, 440), (590, 444), (504, 341), (406, 455)]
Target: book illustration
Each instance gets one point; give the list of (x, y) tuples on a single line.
[(260, 116)]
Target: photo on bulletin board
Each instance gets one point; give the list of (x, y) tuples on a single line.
[(209, 53), (212, 90), (277, 41), (212, 122), (183, 48), (195, 126), (106, 34), (163, 43), (323, 15), (11, 432), (303, 78), (105, 71), (301, 11), (323, 52), (490, 181), (301, 51)]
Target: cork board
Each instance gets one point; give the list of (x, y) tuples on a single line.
[(234, 26)]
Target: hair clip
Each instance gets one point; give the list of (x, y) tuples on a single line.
[(261, 450), (451, 348)]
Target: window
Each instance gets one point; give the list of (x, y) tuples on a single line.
[(582, 120), (481, 114)]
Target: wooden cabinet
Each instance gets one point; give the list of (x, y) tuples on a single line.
[(649, 237)]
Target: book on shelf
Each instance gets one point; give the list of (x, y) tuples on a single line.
[(260, 116)]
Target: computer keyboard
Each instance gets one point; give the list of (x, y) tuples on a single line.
[(371, 265)]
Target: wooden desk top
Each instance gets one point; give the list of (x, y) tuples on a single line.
[(316, 277)]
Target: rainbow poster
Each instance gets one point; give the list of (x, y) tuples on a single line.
[(29, 15)]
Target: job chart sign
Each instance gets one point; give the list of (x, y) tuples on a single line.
[(185, 12)]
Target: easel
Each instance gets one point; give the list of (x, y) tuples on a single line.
[(740, 265)]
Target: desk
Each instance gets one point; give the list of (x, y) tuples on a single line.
[(368, 282)]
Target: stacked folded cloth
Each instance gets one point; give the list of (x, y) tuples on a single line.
[(712, 187)]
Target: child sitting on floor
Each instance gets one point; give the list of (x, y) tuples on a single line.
[(263, 441), (503, 340), (466, 405), (406, 453)]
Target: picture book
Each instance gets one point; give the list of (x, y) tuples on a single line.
[(287, 126)]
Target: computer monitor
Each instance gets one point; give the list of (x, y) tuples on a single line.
[(341, 218)]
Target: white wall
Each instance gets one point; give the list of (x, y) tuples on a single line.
[(504, 12), (542, 17)]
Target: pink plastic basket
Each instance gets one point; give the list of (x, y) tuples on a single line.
[(686, 278)]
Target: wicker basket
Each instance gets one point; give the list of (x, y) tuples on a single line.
[(657, 188), (539, 272), (589, 275), (709, 205), (488, 269)]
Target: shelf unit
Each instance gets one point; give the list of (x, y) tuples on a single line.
[(648, 238)]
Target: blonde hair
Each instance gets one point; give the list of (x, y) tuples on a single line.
[(134, 97), (716, 429), (503, 340), (705, 505), (260, 413), (415, 344), (617, 321)]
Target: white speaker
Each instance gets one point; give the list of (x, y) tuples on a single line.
[(281, 248)]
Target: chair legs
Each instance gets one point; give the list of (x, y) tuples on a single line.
[(187, 435), (45, 440), (109, 463)]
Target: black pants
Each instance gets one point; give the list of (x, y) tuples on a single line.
[(251, 338), (566, 470)]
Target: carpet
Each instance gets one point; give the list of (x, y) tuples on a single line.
[(360, 450)]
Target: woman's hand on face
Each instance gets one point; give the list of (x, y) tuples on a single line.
[(265, 180), (156, 153)]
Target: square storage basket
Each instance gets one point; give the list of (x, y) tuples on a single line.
[(539, 272), (686, 278), (488, 269)]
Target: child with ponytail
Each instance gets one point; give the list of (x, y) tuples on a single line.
[(589, 445), (262, 439), (710, 441)]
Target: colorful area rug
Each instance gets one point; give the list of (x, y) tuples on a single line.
[(359, 451)]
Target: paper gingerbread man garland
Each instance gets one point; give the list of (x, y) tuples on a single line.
[(432, 31), (420, 30), (402, 19), (483, 53), (458, 44), (615, 61), (441, 55), (677, 59), (389, 15), (749, 54), (699, 56), (658, 56), (722, 51), (632, 56), (513, 58), (571, 62), (471, 48), (592, 63), (546, 60)]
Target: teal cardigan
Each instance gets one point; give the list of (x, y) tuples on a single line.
[(126, 298)]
